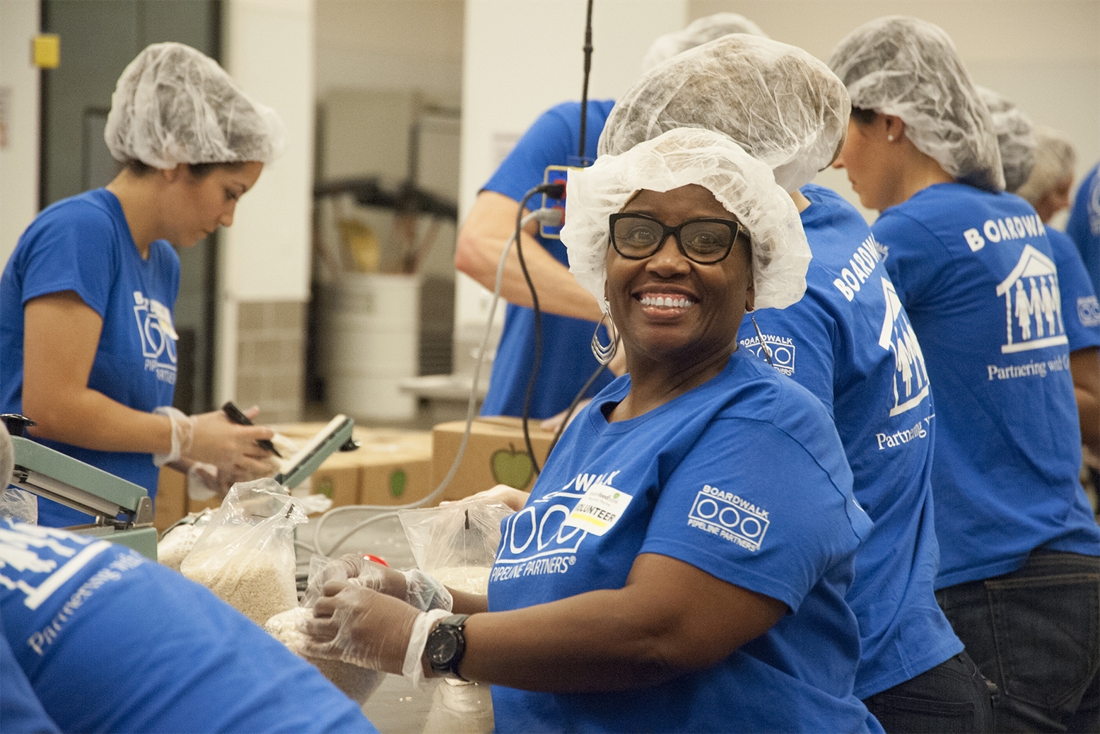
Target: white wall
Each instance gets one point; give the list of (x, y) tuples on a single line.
[(19, 95), (524, 56), (1042, 54), (391, 44), (268, 48)]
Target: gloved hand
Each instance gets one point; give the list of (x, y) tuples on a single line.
[(211, 438), (413, 587), (364, 627)]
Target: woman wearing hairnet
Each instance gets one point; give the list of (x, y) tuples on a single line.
[(848, 341), (1019, 549), (86, 299), (682, 562)]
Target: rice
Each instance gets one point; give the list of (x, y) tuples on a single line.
[(356, 682), (470, 579), (259, 585), (177, 544)]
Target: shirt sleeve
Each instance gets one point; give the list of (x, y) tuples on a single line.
[(752, 506), (72, 253), (549, 141), (915, 258)]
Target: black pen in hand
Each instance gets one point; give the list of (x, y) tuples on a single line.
[(240, 418)]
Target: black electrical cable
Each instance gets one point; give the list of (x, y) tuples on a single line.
[(573, 406), (587, 69), (554, 191)]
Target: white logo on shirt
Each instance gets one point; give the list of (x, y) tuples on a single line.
[(158, 337), (1088, 311), (22, 567), (910, 375), (780, 348), (1033, 304), (729, 517)]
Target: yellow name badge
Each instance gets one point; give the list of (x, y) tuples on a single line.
[(599, 509)]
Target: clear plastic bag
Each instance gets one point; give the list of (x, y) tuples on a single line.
[(178, 540), (19, 504), (246, 554), (456, 544)]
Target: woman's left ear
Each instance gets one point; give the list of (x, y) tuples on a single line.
[(171, 175)]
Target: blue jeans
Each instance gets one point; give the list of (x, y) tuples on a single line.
[(951, 698), (1036, 634)]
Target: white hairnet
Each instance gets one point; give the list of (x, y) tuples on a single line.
[(779, 103), (742, 184), (1015, 137), (1055, 161), (701, 31), (175, 105), (908, 68)]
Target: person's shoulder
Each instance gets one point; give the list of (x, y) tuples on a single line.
[(91, 208), (758, 391)]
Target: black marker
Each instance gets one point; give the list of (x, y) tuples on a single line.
[(240, 418)]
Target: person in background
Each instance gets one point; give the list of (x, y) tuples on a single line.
[(1019, 576), (1039, 163), (848, 341), (696, 519), (86, 299), (569, 314), (1051, 180), (96, 638), (1084, 224)]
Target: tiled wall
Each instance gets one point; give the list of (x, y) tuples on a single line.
[(271, 359)]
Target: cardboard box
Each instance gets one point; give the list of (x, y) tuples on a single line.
[(170, 504), (495, 454), (338, 479), (396, 466)]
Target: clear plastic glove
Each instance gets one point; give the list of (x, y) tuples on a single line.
[(413, 587), (364, 627), (211, 438), (514, 499), (202, 482)]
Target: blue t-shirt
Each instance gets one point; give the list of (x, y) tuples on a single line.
[(1084, 224), (567, 360), (850, 343), (111, 642), (744, 478), (20, 710), (975, 272), (83, 244), (1080, 309)]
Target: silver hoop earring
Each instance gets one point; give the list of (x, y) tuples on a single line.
[(760, 340), (605, 353)]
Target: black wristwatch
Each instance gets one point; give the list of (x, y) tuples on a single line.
[(446, 645)]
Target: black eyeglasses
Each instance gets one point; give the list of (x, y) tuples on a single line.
[(705, 241)]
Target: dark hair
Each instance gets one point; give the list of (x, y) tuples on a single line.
[(198, 170), (863, 116)]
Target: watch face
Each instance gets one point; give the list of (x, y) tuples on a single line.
[(443, 647)]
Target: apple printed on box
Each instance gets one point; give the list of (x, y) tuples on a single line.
[(511, 467)]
